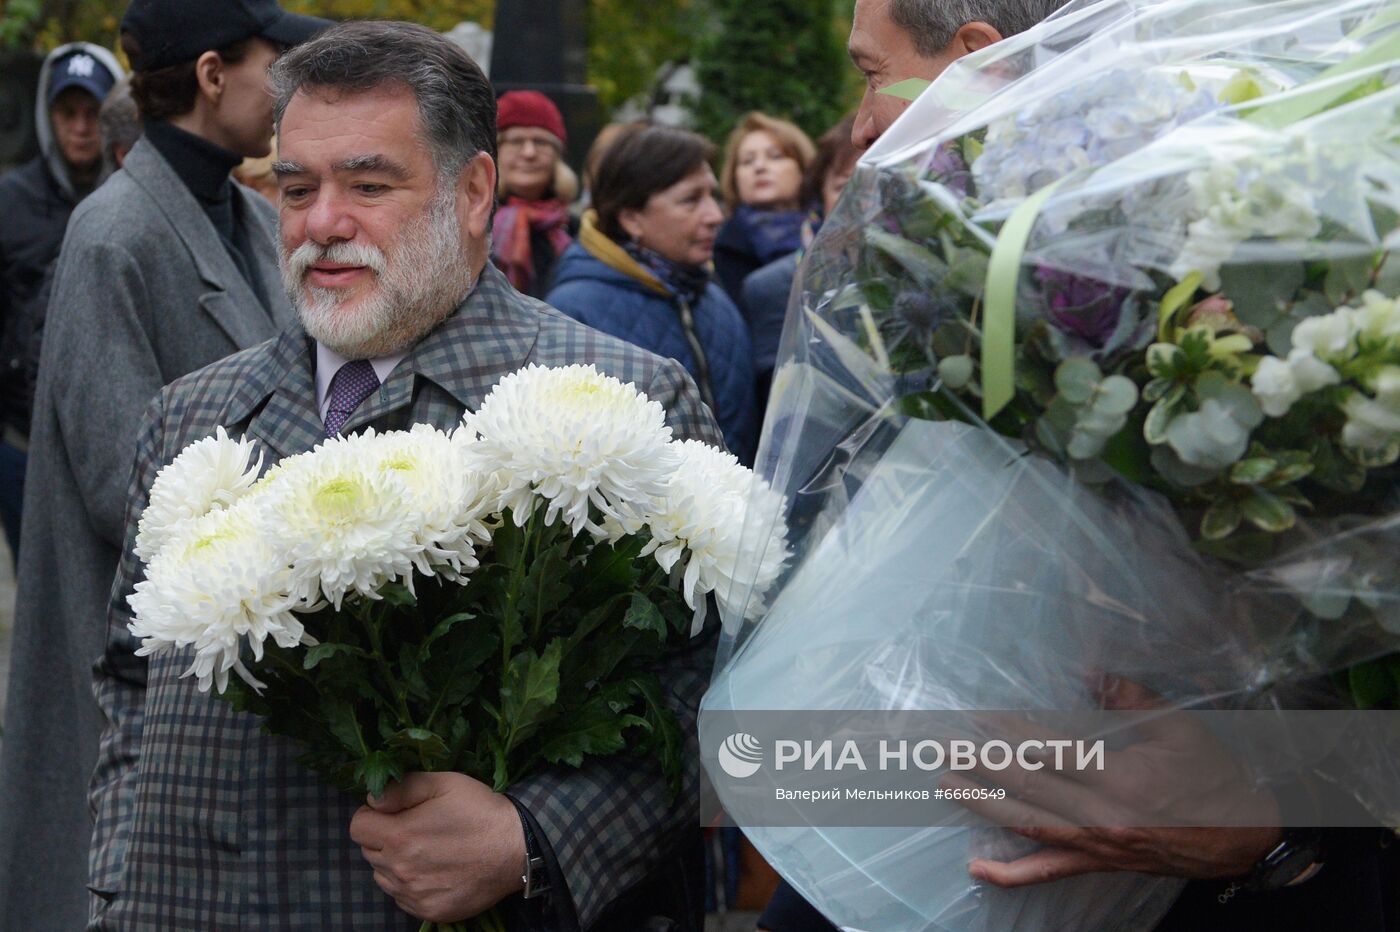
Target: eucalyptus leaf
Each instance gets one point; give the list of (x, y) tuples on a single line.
[(1076, 379), (1116, 394)]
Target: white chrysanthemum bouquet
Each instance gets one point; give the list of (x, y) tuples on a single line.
[(491, 600)]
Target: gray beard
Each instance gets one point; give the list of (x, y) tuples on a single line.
[(419, 283)]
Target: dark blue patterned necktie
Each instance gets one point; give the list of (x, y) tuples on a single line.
[(353, 383)]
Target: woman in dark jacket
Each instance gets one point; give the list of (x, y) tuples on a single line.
[(764, 162), (641, 271)]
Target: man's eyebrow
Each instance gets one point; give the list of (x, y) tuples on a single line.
[(373, 162), (288, 168)]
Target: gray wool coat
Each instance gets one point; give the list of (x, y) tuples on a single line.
[(145, 292)]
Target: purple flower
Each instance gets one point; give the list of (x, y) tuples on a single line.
[(1082, 307), (947, 167)]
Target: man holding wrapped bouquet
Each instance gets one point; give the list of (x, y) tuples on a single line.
[(387, 175)]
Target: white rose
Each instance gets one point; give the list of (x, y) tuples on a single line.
[(1275, 385), (1311, 373), (1379, 316)]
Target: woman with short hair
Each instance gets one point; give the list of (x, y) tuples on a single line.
[(641, 270)]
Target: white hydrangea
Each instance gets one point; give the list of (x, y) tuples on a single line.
[(1235, 199), (449, 500), (217, 580), (346, 526), (574, 437), (698, 531), (208, 474)]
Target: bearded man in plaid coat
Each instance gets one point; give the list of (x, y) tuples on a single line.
[(387, 136)]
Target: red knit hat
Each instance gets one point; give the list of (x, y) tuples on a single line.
[(529, 108)]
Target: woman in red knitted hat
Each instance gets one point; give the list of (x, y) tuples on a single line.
[(533, 226)]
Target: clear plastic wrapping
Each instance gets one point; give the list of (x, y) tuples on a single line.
[(1125, 483)]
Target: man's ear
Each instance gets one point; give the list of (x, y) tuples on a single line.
[(476, 195), (973, 37), (209, 72)]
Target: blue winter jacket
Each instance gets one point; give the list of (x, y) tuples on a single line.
[(607, 299)]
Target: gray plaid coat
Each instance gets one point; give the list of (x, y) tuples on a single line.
[(202, 820)]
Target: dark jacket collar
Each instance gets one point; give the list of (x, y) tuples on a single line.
[(489, 335), (203, 166)]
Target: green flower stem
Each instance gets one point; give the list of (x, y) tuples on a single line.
[(387, 670)]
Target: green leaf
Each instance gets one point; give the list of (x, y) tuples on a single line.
[(429, 746), (1252, 471), (1154, 429), (593, 729), (343, 723), (667, 740), (1291, 473), (1221, 519), (375, 771), (1174, 300), (1260, 291), (545, 587), (1240, 89), (1268, 512), (1166, 360), (1347, 277), (926, 268), (643, 615), (320, 652), (1116, 395), (908, 89), (1157, 389), (531, 687), (442, 628), (1076, 378), (397, 595), (1371, 684)]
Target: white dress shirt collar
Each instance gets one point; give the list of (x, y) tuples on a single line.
[(328, 363)]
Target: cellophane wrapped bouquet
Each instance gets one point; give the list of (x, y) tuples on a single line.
[(491, 600), (1096, 367)]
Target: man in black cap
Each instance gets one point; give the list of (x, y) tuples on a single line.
[(165, 269), (38, 197)]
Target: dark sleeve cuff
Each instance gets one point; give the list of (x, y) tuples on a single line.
[(555, 910)]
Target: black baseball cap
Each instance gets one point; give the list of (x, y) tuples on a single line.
[(171, 32)]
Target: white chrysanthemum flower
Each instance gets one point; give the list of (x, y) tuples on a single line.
[(450, 500), (346, 527), (218, 579), (698, 531), (571, 436), (208, 474)]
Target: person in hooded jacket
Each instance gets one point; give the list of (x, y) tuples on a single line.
[(641, 271), (38, 197), (167, 267)]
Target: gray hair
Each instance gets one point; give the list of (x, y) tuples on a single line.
[(932, 24), (119, 121), (456, 104)]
